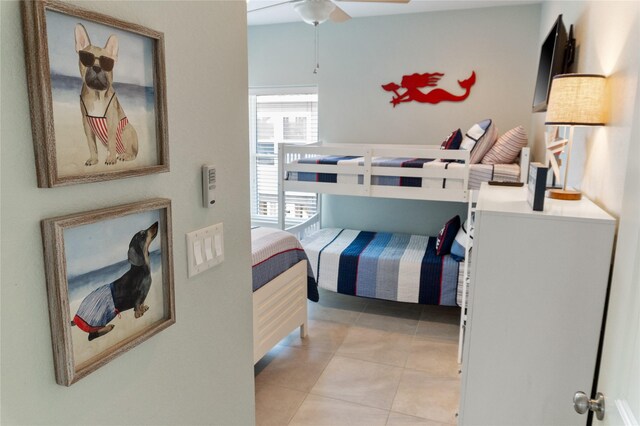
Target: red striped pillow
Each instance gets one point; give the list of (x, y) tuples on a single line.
[(507, 147)]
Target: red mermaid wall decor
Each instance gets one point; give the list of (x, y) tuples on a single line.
[(413, 82)]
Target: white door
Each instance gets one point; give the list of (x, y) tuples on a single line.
[(619, 378)]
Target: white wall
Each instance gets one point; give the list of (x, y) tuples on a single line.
[(604, 165), (608, 41), (356, 57), (198, 371)]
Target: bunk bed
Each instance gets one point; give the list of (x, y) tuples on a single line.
[(282, 282), (416, 172)]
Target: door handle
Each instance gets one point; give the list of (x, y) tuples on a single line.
[(582, 404)]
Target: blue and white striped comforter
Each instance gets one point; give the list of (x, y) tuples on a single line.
[(273, 252), (382, 265)]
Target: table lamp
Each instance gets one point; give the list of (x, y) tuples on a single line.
[(575, 100)]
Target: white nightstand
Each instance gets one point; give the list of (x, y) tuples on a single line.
[(538, 286)]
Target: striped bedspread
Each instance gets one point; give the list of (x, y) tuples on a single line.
[(478, 173), (273, 252), (382, 265)]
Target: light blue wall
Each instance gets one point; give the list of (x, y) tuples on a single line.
[(381, 214), (199, 370), (500, 44)]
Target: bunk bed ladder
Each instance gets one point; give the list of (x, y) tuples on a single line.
[(281, 177), (367, 172), (310, 225), (466, 276)]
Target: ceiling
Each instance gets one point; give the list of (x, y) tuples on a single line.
[(285, 13)]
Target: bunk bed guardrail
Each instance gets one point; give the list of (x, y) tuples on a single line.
[(289, 155)]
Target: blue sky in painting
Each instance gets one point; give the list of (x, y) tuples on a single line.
[(135, 52), (96, 245)]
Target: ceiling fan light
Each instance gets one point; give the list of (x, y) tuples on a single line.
[(314, 11)]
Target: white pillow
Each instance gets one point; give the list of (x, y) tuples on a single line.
[(459, 244), (479, 139)]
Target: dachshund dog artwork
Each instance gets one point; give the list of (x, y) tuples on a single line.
[(129, 291)]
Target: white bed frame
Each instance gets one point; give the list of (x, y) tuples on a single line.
[(279, 307), (288, 154)]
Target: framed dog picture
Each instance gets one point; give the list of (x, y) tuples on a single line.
[(97, 94), (109, 283)]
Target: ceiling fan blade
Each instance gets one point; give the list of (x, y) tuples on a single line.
[(271, 5), (338, 15), (377, 1)]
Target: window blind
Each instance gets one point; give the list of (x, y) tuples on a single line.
[(276, 118)]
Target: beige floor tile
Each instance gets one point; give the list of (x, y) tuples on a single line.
[(397, 419), (320, 411), (444, 314), (437, 358), (266, 359), (276, 405), (358, 381), (324, 313), (323, 335), (394, 309), (420, 395), (293, 368), (387, 323), (376, 346), (438, 330), (372, 340), (342, 301)]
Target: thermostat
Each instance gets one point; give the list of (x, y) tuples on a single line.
[(208, 185)]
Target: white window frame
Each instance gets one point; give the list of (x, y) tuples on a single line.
[(257, 220)]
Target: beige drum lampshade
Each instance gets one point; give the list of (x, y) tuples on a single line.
[(577, 100)]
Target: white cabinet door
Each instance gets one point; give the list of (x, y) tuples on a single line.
[(536, 305)]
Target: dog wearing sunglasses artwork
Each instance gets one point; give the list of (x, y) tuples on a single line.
[(102, 115)]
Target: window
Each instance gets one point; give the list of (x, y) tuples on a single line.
[(279, 116), (295, 129)]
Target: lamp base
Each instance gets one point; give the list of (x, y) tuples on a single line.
[(564, 194)]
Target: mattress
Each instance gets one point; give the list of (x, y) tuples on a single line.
[(390, 266), (478, 173), (274, 251)]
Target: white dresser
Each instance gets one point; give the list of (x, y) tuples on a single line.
[(538, 286)]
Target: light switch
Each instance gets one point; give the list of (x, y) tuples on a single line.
[(205, 249), (218, 240), (197, 252)]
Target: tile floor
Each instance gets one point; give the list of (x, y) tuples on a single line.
[(365, 362)]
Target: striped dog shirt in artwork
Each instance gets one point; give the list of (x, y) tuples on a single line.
[(96, 310), (101, 130)]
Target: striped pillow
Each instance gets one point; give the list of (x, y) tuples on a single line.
[(507, 148), (479, 139)]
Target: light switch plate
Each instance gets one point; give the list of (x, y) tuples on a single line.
[(205, 249)]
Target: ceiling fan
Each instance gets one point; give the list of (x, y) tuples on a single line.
[(316, 12)]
